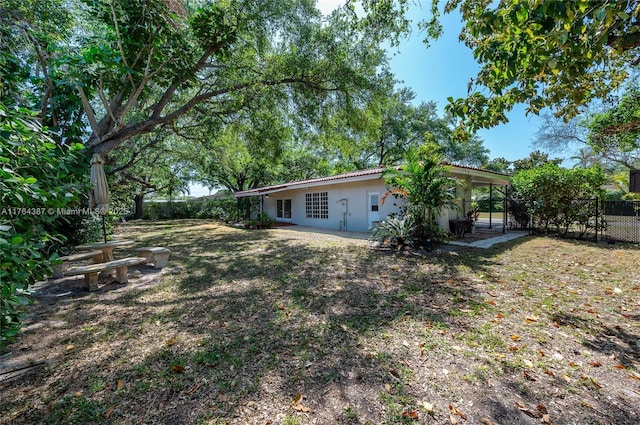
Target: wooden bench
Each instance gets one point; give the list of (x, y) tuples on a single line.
[(91, 272), (59, 269), (157, 255)]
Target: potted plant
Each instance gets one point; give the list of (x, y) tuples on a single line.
[(265, 220), (246, 224)]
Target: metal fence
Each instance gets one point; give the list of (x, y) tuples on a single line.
[(622, 221), (592, 219)]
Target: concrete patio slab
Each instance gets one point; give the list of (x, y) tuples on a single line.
[(489, 242)]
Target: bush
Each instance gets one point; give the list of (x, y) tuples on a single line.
[(559, 198), (216, 209), (36, 177), (397, 230)]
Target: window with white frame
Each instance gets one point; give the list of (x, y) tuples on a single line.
[(317, 205), (283, 208)]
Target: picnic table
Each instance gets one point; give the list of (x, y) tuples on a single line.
[(106, 248)]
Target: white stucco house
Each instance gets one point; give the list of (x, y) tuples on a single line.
[(352, 201)]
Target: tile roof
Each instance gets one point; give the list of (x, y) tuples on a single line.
[(350, 175)]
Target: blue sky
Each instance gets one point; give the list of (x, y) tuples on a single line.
[(443, 70)]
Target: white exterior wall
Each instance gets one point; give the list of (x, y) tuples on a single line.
[(355, 210), (356, 194)]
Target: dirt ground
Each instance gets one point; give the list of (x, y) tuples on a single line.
[(284, 326)]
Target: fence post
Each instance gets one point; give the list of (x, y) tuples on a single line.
[(595, 235)]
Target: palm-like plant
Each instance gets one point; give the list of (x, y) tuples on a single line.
[(398, 230), (427, 187)]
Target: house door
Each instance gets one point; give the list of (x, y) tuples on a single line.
[(373, 209)]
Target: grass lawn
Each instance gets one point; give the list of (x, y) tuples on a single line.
[(285, 327)]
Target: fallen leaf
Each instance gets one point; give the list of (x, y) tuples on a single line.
[(500, 316), (70, 347), (411, 414), (595, 383), (528, 363), (585, 404), (542, 408), (531, 319), (524, 409), (170, 342), (269, 423), (528, 376), (193, 389), (619, 366), (301, 408), (109, 412), (297, 398), (546, 419), (566, 378), (549, 372), (387, 387), (120, 384), (595, 364), (515, 337), (177, 368), (513, 348), (453, 420), (491, 302), (573, 364), (455, 411), (486, 421), (77, 394), (427, 406)]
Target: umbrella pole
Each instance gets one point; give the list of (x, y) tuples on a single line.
[(104, 229)]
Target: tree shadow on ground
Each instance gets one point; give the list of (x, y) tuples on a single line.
[(256, 318)]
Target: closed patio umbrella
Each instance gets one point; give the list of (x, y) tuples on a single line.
[(99, 193)]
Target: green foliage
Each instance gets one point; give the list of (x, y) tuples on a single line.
[(545, 53), (534, 160), (217, 209), (558, 198), (399, 230), (36, 179), (615, 133), (427, 187)]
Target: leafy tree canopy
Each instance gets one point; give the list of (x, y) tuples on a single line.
[(137, 65), (543, 53)]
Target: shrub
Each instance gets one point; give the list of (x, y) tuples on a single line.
[(216, 209), (36, 178), (398, 230), (559, 198)]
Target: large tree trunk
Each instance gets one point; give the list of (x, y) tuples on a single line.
[(139, 200)]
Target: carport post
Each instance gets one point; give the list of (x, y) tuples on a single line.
[(490, 203)]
